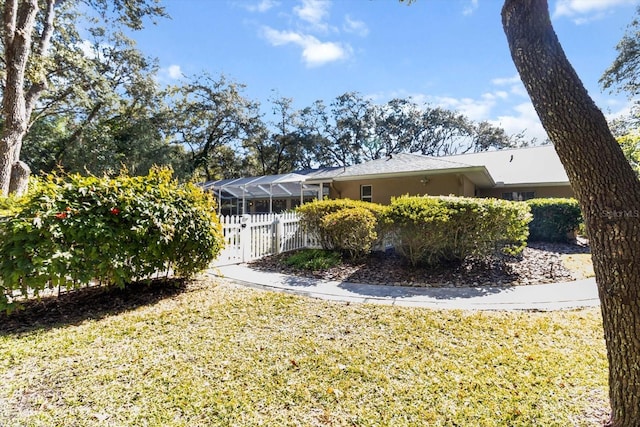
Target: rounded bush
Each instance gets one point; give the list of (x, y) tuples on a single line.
[(554, 219), (351, 231), (72, 231), (312, 215)]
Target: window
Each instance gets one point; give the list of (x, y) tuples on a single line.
[(366, 194), (519, 195), (260, 206), (279, 205)]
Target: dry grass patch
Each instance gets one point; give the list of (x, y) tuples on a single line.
[(220, 355), (579, 265)]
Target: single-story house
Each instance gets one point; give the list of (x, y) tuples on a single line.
[(513, 174)]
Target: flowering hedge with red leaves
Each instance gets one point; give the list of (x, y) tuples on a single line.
[(73, 231)]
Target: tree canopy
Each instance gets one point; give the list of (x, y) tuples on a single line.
[(79, 96), (624, 72), (45, 66)]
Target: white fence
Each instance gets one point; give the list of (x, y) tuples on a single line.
[(250, 237)]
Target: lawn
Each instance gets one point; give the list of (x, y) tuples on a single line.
[(579, 264), (214, 354)]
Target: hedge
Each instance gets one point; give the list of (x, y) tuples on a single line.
[(436, 230), (554, 219), (73, 231), (352, 231), (332, 234)]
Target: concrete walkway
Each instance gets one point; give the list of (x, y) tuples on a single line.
[(556, 296)]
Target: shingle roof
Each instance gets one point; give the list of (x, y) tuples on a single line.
[(401, 163), (518, 166), (321, 174)]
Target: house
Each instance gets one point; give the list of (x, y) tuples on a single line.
[(522, 173), (513, 174)]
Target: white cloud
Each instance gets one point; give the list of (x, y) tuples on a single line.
[(519, 90), (523, 118), (617, 109), (583, 11), (475, 109), (504, 81), (355, 26), (515, 85), (314, 12), (500, 94), (167, 74), (174, 71), (514, 119), (262, 6), (507, 105), (87, 49), (520, 118), (314, 51), (321, 53), (472, 7)]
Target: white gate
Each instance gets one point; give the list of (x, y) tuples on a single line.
[(250, 237)]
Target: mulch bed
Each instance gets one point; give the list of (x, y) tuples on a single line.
[(539, 263)]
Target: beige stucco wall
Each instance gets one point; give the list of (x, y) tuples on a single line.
[(554, 191), (383, 189), (468, 187)]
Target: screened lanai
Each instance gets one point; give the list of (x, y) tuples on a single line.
[(263, 194)]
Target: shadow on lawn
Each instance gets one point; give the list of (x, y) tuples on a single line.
[(87, 303), (442, 293)]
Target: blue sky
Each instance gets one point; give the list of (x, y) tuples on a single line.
[(449, 53)]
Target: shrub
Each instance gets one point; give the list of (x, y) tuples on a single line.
[(352, 231), (554, 220), (72, 231), (10, 205), (418, 224), (432, 230), (313, 214), (313, 259)]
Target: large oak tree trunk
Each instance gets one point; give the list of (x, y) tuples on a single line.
[(18, 19), (20, 173), (21, 94), (604, 183)]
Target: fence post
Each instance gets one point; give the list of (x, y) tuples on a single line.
[(279, 243), (245, 237)]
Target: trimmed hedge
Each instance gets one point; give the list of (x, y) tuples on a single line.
[(72, 231), (435, 230), (327, 218), (352, 230), (554, 219)]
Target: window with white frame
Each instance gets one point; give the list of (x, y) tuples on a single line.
[(366, 193)]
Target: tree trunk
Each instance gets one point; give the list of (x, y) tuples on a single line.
[(604, 184), (19, 178), (18, 22), (6, 161)]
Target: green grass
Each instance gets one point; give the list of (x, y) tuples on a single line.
[(220, 355), (313, 259)]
